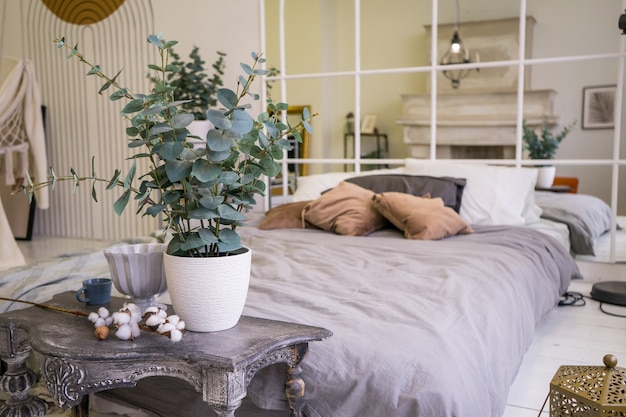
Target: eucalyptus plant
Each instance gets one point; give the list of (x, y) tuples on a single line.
[(193, 83), (200, 191), (545, 145)]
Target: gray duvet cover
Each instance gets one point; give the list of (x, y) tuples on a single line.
[(420, 328)]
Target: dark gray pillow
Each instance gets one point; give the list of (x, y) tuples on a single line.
[(448, 188)]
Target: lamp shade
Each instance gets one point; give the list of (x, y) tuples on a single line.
[(589, 391)]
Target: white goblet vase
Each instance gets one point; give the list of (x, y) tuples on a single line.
[(137, 270)]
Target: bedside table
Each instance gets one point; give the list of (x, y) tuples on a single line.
[(74, 364), (555, 189)]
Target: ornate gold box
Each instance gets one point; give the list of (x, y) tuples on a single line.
[(589, 391)]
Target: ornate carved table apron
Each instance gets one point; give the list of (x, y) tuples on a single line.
[(73, 363)]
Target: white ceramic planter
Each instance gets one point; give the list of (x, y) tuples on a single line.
[(208, 293), (137, 270), (545, 176)]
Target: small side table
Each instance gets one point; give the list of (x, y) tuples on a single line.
[(555, 189), (74, 364), (380, 147)]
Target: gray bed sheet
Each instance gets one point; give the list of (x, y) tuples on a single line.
[(420, 328), (587, 217)]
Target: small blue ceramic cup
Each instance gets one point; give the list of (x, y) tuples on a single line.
[(95, 291)]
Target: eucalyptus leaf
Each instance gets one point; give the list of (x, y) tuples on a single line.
[(182, 120), (159, 129), (118, 94), (192, 242), (155, 209), (203, 213), (242, 122), (133, 106), (229, 178), (177, 170), (121, 203), (219, 141), (205, 171), (131, 174), (229, 240), (207, 236), (227, 97), (211, 202), (219, 120), (170, 150)]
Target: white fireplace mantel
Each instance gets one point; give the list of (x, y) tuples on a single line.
[(472, 119)]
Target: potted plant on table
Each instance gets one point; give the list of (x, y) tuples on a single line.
[(194, 85), (544, 146), (201, 192)]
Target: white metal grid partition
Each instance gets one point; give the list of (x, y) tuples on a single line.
[(613, 162)]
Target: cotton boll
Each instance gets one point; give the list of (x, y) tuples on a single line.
[(135, 331), (174, 319), (166, 327), (124, 332), (93, 317), (154, 321), (134, 310), (100, 322), (180, 325), (176, 335), (151, 310), (121, 318), (103, 312)]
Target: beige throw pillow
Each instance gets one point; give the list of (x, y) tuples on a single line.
[(345, 210), (285, 216), (420, 218)]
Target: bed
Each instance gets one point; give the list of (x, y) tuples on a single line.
[(433, 327)]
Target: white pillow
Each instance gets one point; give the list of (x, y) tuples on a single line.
[(312, 186), (493, 195)]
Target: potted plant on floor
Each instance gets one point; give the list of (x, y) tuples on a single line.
[(544, 146), (194, 85), (201, 192)]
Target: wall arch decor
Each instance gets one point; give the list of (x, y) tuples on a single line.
[(82, 12)]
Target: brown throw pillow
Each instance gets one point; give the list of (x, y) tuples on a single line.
[(285, 216), (420, 218), (345, 210)]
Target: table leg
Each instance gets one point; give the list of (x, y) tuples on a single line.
[(18, 379), (229, 412), (294, 387), (82, 409)]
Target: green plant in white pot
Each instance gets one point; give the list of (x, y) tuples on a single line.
[(200, 192), (543, 146), (193, 84)]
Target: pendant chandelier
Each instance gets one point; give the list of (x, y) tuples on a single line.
[(457, 54)]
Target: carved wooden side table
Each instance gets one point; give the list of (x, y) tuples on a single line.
[(74, 364)]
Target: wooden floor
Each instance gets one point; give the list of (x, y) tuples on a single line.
[(569, 336), (566, 336)]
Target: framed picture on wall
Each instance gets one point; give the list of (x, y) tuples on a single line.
[(599, 107), (368, 125)]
